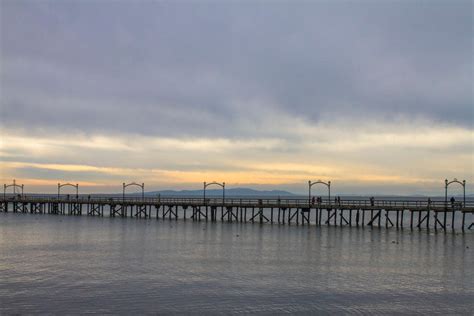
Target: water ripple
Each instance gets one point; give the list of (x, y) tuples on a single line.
[(71, 265)]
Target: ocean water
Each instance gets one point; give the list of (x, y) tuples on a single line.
[(68, 265)]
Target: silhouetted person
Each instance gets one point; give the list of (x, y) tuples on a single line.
[(429, 201), (372, 201), (313, 200), (452, 201)]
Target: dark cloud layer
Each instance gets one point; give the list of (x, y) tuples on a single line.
[(208, 68)]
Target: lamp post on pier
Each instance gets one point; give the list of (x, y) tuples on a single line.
[(215, 183), (327, 184), (142, 186), (446, 185), (76, 186), (14, 185)]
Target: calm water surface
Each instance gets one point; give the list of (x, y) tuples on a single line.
[(68, 265)]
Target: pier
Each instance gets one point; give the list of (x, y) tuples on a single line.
[(345, 212), (371, 212)]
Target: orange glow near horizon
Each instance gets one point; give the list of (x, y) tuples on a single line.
[(103, 162), (195, 178)]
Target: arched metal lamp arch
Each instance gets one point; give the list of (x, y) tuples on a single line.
[(327, 184), (214, 183), (14, 185), (125, 185), (76, 186), (447, 183)]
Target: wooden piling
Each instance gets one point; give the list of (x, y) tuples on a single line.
[(428, 218), (445, 219), (452, 219)]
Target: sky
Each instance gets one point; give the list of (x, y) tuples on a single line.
[(375, 96)]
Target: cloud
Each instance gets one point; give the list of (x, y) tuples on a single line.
[(195, 68), (348, 154), (256, 92)]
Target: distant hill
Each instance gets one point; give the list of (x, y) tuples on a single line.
[(218, 192)]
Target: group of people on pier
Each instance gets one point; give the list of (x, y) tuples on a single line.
[(319, 200)]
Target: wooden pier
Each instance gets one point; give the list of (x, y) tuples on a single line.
[(352, 213)]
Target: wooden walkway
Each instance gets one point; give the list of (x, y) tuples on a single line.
[(389, 213)]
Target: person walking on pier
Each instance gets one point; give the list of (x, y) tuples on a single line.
[(372, 201), (452, 201), (313, 199)]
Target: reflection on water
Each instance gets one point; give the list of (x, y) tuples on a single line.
[(66, 264)]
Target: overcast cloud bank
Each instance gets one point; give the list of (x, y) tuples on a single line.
[(368, 94)]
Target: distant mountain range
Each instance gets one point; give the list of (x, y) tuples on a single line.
[(218, 192)]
